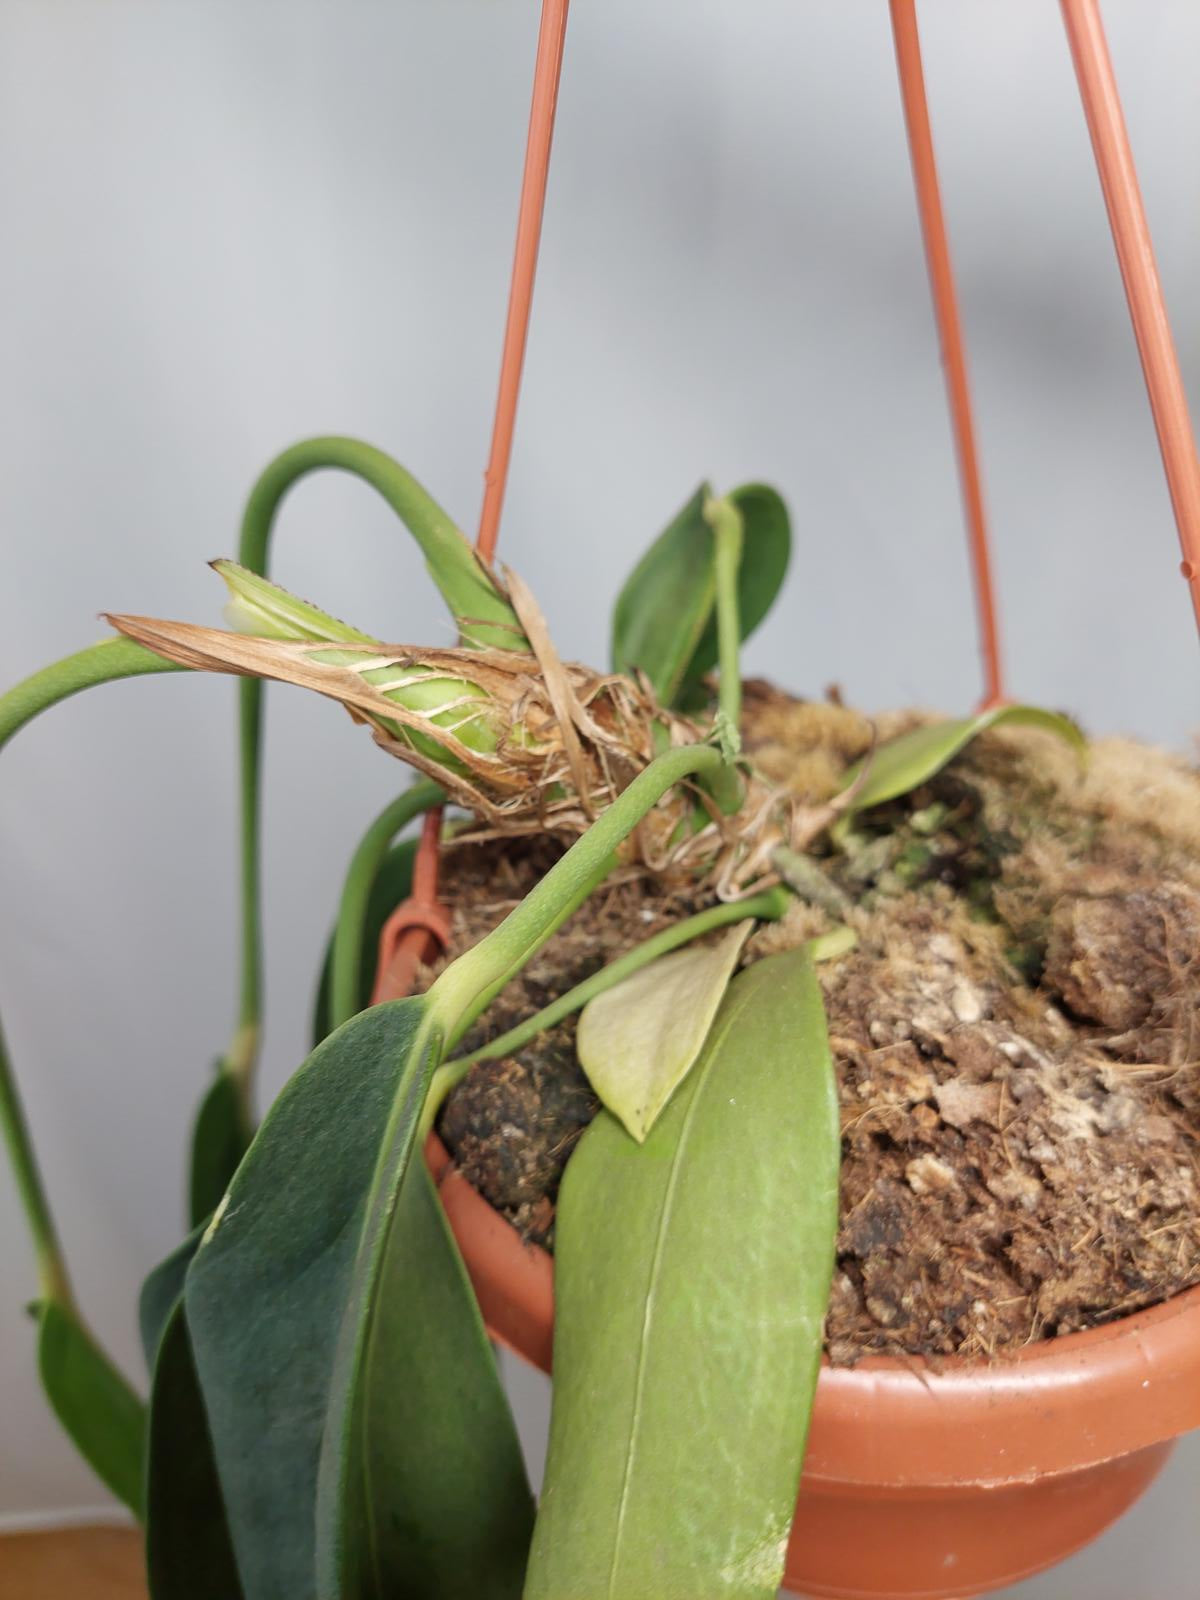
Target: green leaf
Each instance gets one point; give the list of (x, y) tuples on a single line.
[(833, 945), (264, 609), (308, 1259), (904, 763), (691, 1278), (664, 621), (189, 1554), (766, 551), (445, 1391), (637, 1041), (392, 883), (220, 1138), (161, 1292), (104, 1418), (297, 1273), (661, 612)]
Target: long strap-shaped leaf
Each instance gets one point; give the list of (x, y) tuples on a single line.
[(284, 1298), (691, 1277), (310, 1302), (421, 1492), (189, 1553)]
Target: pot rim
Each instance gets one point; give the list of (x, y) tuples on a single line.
[(1054, 1406)]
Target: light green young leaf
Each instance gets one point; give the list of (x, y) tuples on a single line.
[(691, 1279), (104, 1418), (832, 945), (637, 1041), (904, 763), (263, 609)]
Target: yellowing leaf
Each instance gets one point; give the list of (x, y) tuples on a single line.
[(637, 1041)]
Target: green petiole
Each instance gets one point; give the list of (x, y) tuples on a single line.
[(54, 1283), (467, 988), (106, 662), (768, 906), (725, 520)]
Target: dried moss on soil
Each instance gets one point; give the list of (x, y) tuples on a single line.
[(1017, 1034)]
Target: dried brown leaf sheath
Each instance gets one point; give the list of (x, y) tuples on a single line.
[(526, 742)]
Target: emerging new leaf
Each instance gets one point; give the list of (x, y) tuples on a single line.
[(526, 749), (261, 608)]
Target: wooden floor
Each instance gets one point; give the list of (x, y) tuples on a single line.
[(72, 1564)]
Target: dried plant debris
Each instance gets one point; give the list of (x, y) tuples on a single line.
[(1017, 1032)]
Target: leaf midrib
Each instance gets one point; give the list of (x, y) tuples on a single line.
[(712, 1049)]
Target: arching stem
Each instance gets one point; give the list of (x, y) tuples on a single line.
[(466, 989), (481, 612), (772, 903), (101, 663), (352, 912)]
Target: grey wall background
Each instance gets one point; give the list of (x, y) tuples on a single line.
[(229, 225)]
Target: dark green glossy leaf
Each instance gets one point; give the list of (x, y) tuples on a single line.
[(393, 883), (304, 1265), (766, 551), (661, 612), (189, 1554), (691, 1279), (161, 1292), (104, 1418), (220, 1138), (664, 622), (406, 1511), (904, 763)]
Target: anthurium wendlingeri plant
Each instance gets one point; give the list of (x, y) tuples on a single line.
[(324, 1414)]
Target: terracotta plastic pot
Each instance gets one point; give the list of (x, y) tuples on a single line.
[(922, 1484)]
